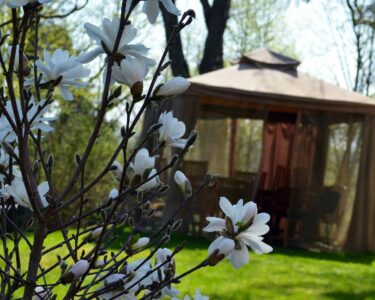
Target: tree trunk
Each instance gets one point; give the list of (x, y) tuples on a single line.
[(176, 55), (216, 17)]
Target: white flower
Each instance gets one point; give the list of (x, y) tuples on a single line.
[(43, 1), (99, 263), (117, 169), (79, 269), (96, 233), (60, 64), (173, 87), (20, 3), (18, 191), (4, 164), (41, 293), (244, 227), (142, 242), (34, 116), (144, 162), (13, 3), (183, 183), (143, 267), (113, 194), (162, 255), (224, 246), (151, 9), (197, 296), (171, 130), (131, 71), (17, 57), (116, 293), (108, 36)]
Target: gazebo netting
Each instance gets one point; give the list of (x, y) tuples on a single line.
[(310, 142)]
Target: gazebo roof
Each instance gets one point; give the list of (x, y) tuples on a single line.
[(268, 78)]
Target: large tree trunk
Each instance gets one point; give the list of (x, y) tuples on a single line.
[(176, 55), (216, 17)]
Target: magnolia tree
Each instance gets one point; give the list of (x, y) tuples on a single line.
[(87, 268)]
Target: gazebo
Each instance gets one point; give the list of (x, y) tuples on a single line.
[(302, 148)]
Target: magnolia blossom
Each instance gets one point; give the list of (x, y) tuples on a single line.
[(242, 227), (17, 57), (183, 183), (131, 71), (144, 162), (173, 87), (20, 3), (117, 169), (4, 165), (151, 9), (113, 194), (13, 3), (164, 255), (108, 36), (143, 268), (18, 191), (41, 293), (142, 242), (171, 130), (96, 233), (99, 263), (64, 68), (34, 116), (117, 293), (76, 271), (197, 296)]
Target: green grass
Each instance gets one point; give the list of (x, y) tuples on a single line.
[(284, 274)]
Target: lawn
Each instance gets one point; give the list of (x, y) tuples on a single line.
[(284, 274)]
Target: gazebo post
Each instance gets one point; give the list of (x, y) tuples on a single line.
[(233, 146)]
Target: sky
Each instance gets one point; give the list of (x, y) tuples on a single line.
[(312, 26)]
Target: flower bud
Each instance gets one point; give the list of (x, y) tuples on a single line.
[(137, 89), (41, 293), (17, 57), (117, 169), (142, 242), (96, 234), (183, 183), (78, 269), (99, 263), (113, 194), (175, 86)]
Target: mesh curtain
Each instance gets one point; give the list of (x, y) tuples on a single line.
[(321, 210)]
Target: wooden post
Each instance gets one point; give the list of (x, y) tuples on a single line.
[(233, 147)]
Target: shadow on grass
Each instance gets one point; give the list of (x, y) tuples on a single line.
[(340, 295), (357, 258)]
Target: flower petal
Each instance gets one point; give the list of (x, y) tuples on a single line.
[(226, 206), (151, 9), (216, 224), (238, 258)]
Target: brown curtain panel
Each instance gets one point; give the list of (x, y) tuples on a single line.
[(361, 236), (278, 137)]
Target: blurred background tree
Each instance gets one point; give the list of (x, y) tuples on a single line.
[(73, 120)]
